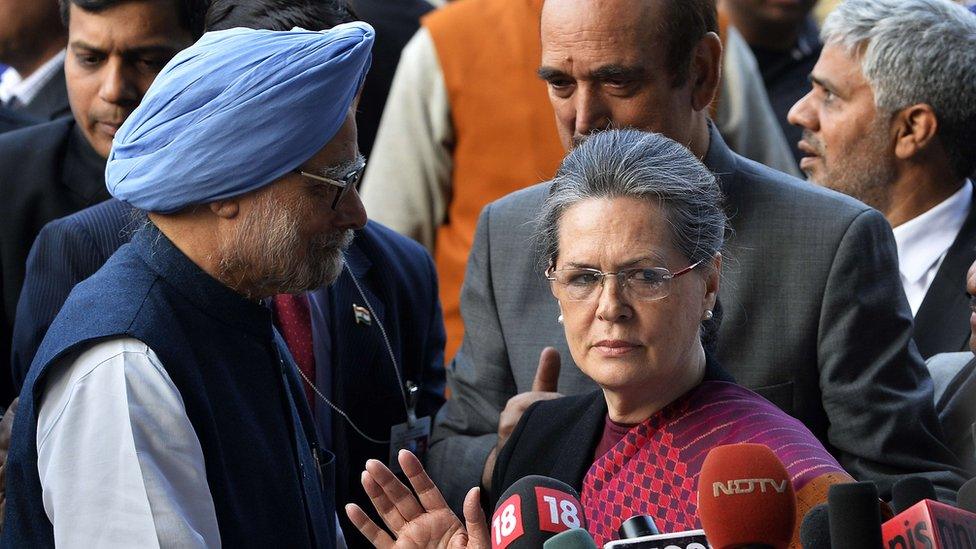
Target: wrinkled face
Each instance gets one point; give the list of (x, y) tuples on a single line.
[(605, 65), (289, 239), (846, 140), (23, 24), (626, 345), (771, 13), (113, 57), (971, 290)]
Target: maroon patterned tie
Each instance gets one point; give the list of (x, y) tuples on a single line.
[(295, 323)]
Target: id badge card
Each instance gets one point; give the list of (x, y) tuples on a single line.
[(404, 436)]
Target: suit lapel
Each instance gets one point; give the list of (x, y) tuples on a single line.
[(940, 325)]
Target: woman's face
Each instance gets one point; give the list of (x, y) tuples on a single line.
[(624, 344)]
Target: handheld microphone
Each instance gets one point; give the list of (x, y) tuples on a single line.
[(638, 526), (815, 528), (745, 498), (909, 491), (692, 539), (931, 525), (532, 510), (577, 538), (855, 516), (966, 498)]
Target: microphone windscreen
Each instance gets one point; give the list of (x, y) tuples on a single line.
[(638, 526), (855, 516), (745, 497), (577, 538), (815, 528), (909, 491), (532, 510), (966, 498)]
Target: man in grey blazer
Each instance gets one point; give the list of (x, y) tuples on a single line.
[(815, 319)]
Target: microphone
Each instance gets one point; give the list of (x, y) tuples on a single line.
[(638, 526), (532, 510), (692, 539), (854, 515), (966, 498), (930, 525), (815, 528), (909, 491), (745, 498), (577, 538)]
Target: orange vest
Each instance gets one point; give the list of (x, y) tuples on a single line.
[(504, 127)]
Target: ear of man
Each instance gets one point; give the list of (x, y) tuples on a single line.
[(706, 69), (915, 128), (225, 209)]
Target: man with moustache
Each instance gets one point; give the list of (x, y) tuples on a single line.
[(115, 49), (338, 334), (814, 316), (891, 121), (163, 408)]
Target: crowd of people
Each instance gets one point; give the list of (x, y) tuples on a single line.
[(266, 263)]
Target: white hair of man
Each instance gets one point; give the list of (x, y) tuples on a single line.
[(916, 51)]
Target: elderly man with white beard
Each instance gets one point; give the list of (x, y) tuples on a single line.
[(162, 407)]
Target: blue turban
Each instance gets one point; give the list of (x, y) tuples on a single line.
[(234, 112)]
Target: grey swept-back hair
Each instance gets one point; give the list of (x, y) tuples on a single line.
[(645, 166), (916, 51)]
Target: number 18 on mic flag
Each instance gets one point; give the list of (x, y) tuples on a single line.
[(532, 510)]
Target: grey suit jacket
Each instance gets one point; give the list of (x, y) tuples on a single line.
[(815, 320)]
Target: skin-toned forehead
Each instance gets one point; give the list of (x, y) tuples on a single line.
[(614, 20), (839, 71), (139, 23)]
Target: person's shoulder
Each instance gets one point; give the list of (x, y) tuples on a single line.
[(110, 216), (29, 137), (519, 206), (552, 416), (385, 247)]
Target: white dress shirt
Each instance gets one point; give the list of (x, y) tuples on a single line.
[(119, 461), (12, 86), (924, 241)]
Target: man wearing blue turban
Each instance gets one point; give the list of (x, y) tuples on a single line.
[(243, 154)]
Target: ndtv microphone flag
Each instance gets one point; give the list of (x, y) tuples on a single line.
[(532, 510)]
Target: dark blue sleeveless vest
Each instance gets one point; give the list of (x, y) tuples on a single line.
[(271, 484)]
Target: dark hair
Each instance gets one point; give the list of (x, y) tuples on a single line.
[(686, 22), (191, 11), (278, 15)]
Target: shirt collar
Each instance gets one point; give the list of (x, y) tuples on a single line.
[(25, 89), (923, 241)]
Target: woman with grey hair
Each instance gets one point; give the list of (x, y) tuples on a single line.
[(631, 236)]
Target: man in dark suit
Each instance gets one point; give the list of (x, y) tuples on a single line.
[(815, 319), (891, 121), (11, 120), (32, 40), (51, 170)]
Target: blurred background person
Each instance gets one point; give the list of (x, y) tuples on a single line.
[(783, 38), (32, 42), (891, 121), (632, 233), (47, 171)]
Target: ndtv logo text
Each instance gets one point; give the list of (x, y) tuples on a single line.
[(748, 486)]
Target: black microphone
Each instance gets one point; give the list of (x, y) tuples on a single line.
[(815, 528), (638, 526), (909, 491), (854, 516), (966, 498), (532, 510)]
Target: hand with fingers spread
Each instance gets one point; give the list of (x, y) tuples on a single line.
[(419, 521), (543, 388)]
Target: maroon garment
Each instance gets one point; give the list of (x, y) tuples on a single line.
[(295, 323), (613, 432)]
